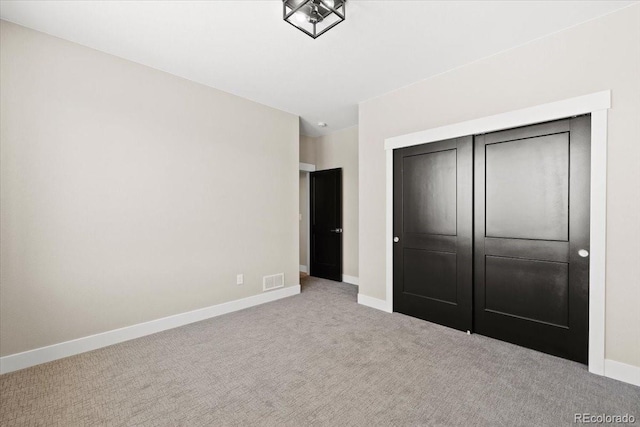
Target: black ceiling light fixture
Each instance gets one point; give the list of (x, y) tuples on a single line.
[(314, 17)]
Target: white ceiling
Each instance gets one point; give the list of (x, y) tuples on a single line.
[(244, 47)]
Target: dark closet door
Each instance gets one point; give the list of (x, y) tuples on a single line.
[(432, 255), (532, 236), (326, 224)]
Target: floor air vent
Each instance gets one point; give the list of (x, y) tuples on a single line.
[(272, 282)]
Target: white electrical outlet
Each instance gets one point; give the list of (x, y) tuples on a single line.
[(239, 279)]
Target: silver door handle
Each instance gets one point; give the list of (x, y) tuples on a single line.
[(337, 230), (583, 253), (396, 239)]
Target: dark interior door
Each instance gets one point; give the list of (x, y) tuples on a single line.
[(433, 219), (532, 236), (326, 224)]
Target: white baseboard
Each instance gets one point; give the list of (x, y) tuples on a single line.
[(376, 303), (622, 372), (29, 358), (303, 269), (350, 279)]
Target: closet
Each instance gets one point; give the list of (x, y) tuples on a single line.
[(491, 235)]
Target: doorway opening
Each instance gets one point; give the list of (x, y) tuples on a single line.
[(303, 218)]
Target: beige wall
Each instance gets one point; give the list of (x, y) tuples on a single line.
[(337, 150), (307, 150), (129, 194), (598, 55)]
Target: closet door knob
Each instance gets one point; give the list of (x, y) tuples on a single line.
[(396, 239), (583, 253)]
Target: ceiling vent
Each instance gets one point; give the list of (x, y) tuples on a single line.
[(272, 282)]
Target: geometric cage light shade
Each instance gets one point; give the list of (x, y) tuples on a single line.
[(314, 17)]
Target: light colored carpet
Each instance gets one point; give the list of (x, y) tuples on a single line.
[(314, 359)]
